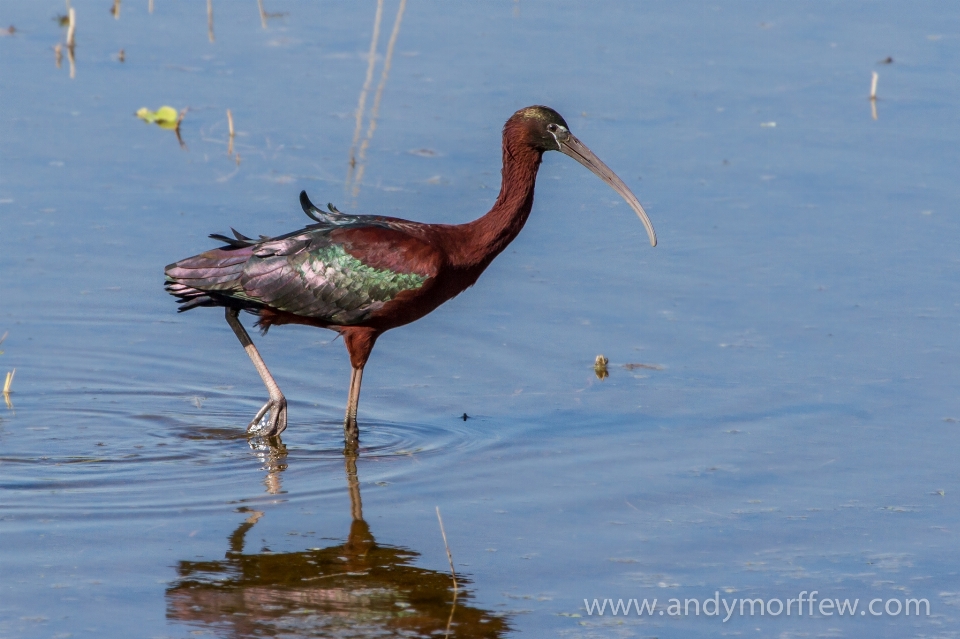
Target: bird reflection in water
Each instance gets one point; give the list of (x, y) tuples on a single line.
[(356, 589)]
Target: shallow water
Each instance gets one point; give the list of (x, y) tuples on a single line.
[(794, 426)]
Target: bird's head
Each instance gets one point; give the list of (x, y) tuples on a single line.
[(544, 129)]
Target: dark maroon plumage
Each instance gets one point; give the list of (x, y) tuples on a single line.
[(363, 275)]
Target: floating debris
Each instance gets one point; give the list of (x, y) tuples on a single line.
[(165, 116)]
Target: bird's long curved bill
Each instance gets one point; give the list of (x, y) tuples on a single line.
[(579, 152)]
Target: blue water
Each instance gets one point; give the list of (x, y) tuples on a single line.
[(795, 425)]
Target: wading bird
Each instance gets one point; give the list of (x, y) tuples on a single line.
[(361, 275)]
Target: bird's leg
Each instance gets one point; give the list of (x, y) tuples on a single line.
[(359, 342), (276, 421), (351, 432)]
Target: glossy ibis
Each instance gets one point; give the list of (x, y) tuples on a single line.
[(361, 275)]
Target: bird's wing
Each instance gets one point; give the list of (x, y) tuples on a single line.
[(339, 275)]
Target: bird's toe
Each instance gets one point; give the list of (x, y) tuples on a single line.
[(271, 420)]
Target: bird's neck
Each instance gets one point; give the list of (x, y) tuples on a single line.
[(484, 238)]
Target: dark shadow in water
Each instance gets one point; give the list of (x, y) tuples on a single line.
[(356, 589)]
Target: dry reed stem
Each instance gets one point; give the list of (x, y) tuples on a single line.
[(71, 26), (873, 85), (115, 10), (453, 572), (263, 14), (230, 128), (58, 52), (150, 6), (73, 62), (9, 381), (210, 20)]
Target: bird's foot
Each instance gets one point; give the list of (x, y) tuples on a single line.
[(271, 420), (351, 433)]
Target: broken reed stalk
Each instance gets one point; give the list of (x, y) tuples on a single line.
[(453, 572), (210, 20), (150, 6), (71, 27), (263, 14), (230, 127), (873, 86), (9, 382), (73, 62), (58, 51), (116, 9)]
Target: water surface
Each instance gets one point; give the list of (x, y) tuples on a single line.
[(793, 426)]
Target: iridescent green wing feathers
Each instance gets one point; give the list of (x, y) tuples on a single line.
[(340, 271), (314, 277)]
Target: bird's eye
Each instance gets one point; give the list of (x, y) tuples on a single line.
[(552, 127)]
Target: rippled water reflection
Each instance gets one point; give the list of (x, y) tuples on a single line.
[(356, 589)]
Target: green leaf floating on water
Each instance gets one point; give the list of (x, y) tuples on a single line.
[(165, 116)]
